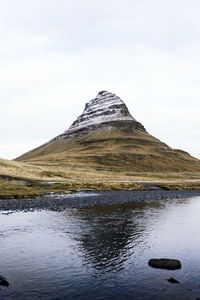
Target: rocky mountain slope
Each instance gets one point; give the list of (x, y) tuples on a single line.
[(106, 137), (103, 111)]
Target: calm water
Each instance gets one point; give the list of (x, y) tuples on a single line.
[(101, 252)]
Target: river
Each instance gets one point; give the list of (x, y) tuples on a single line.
[(101, 252)]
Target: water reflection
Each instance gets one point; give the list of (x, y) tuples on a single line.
[(108, 235), (56, 255)]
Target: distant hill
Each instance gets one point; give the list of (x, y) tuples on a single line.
[(10, 169), (105, 137)]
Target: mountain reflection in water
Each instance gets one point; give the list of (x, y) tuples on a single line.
[(101, 252), (106, 239)]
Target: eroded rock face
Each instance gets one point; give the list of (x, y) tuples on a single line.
[(105, 110)]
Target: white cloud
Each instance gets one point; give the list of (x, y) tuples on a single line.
[(56, 55)]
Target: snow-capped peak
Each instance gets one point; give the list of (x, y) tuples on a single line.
[(104, 109)]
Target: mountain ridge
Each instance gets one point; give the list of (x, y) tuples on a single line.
[(106, 137), (104, 110)]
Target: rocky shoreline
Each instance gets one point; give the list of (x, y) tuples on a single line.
[(82, 199)]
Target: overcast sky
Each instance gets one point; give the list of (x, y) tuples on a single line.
[(55, 55)]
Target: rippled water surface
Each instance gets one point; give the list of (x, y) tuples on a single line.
[(101, 252)]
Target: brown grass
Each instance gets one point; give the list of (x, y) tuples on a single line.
[(113, 151), (25, 189), (107, 159)]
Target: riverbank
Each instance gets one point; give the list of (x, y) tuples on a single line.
[(91, 198), (17, 188), (101, 252)]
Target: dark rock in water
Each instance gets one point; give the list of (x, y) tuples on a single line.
[(173, 280), (165, 263), (3, 281), (1, 278)]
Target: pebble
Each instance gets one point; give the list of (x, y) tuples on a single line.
[(92, 198)]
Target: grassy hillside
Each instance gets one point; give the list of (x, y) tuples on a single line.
[(18, 170), (20, 180), (113, 150), (106, 159)]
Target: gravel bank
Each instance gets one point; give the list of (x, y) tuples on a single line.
[(86, 199)]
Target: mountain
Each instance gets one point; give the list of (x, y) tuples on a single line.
[(106, 137), (106, 110)]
